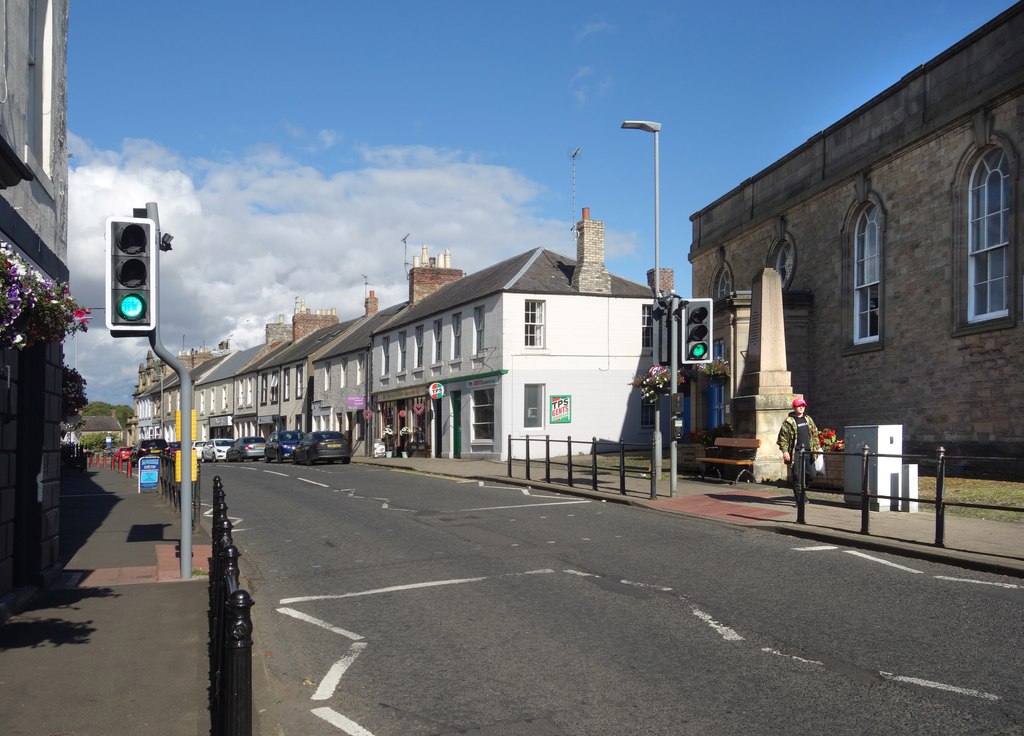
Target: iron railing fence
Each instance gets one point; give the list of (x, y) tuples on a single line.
[(612, 454), (940, 462), (230, 642)]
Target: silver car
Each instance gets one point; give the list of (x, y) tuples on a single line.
[(216, 450)]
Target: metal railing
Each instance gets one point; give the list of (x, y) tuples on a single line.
[(230, 630), (592, 449), (170, 489), (868, 496)]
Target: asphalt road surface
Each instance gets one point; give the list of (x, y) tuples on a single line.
[(396, 604)]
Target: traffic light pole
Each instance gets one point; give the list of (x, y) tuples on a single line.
[(185, 384), (673, 453)]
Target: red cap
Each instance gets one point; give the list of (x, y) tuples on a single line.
[(799, 402)]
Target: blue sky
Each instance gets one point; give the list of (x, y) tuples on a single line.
[(291, 147)]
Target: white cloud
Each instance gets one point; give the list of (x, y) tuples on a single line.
[(254, 234)]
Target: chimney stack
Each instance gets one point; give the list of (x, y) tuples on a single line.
[(430, 274), (590, 275), (371, 304)]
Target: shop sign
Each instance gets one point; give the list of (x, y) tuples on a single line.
[(224, 421), (561, 409), (436, 390), (355, 402), (149, 472)]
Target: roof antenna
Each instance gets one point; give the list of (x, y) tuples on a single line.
[(575, 154), (405, 256), (366, 286)]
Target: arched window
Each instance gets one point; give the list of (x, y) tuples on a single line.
[(988, 238), (783, 260), (723, 283), (867, 281)]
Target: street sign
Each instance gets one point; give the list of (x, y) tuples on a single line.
[(149, 472), (436, 390)]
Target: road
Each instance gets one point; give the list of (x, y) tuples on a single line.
[(397, 604)]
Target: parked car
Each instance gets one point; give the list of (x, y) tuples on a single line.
[(148, 447), (122, 454), (281, 445), (197, 448), (216, 450), (171, 450), (323, 446), (246, 448)]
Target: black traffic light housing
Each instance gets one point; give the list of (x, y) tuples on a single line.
[(696, 332), (131, 300), (661, 324)]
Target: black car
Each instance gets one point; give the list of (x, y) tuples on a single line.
[(328, 447), (148, 447), (281, 445)]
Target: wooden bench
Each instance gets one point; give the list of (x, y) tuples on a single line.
[(735, 451)]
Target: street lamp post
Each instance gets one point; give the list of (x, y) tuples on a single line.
[(652, 127)]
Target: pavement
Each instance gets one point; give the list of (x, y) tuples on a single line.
[(119, 644)]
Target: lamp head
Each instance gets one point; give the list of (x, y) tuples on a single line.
[(649, 126)]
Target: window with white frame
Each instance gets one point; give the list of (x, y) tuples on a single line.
[(418, 350), (343, 373), (360, 369), (483, 414), (867, 279), (275, 379), (202, 402), (286, 384), (456, 335), (403, 340), (438, 329), (223, 398), (263, 388), (646, 327), (385, 363), (299, 371), (478, 330), (533, 405), (534, 324), (327, 376), (988, 238)]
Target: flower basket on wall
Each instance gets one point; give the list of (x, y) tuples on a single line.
[(33, 308)]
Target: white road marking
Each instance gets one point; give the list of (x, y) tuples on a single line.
[(375, 591), (519, 506), (317, 622), (1011, 586), (884, 562), (940, 686), (777, 653), (329, 684), (726, 633), (821, 548), (314, 483), (274, 472), (646, 585), (581, 574), (345, 724)]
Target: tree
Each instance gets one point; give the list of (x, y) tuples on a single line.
[(103, 409)]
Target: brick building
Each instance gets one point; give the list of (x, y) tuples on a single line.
[(897, 234)]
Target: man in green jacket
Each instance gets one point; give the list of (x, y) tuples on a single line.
[(799, 432)]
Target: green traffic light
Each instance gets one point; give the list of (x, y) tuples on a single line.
[(131, 307), (698, 351)]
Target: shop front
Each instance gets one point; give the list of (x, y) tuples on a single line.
[(402, 421)]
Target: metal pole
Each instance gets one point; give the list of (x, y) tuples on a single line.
[(185, 387), (656, 450), (673, 356)]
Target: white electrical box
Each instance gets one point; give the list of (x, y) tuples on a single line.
[(885, 465)]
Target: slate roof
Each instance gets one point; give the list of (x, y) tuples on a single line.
[(537, 271), (227, 367), (316, 340), (358, 337)]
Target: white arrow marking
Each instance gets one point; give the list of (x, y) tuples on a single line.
[(317, 622), (313, 482), (330, 682), (884, 562), (345, 724), (940, 686), (1011, 586)]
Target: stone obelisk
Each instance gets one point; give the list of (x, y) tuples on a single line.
[(765, 392)]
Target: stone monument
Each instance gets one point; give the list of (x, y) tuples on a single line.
[(765, 393)]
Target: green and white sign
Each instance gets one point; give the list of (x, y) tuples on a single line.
[(560, 409)]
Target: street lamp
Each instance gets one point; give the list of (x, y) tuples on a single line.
[(652, 127)]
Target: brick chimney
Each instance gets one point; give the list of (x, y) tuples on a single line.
[(371, 304), (428, 274), (305, 321), (668, 279), (590, 275)]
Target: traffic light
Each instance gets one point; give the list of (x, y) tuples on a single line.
[(696, 342), (661, 323), (131, 288)]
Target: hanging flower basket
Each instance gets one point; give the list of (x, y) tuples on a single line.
[(655, 382), (716, 370), (33, 308)]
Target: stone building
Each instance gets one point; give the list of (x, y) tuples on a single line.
[(897, 235), (33, 222)]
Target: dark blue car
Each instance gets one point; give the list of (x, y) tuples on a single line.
[(281, 445)]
